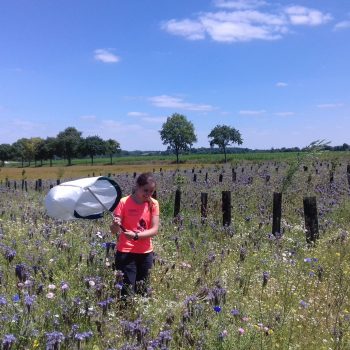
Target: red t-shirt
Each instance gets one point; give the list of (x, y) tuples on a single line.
[(135, 217)]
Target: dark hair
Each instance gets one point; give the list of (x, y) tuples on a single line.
[(145, 178)]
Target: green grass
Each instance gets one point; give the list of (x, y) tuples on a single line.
[(303, 302)]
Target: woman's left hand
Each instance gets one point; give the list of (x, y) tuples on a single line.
[(130, 234)]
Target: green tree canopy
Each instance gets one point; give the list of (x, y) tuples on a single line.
[(68, 142), (92, 146), (112, 147), (223, 135), (178, 133), (5, 153)]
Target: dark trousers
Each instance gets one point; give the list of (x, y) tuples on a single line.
[(135, 268)]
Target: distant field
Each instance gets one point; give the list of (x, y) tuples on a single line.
[(83, 167)]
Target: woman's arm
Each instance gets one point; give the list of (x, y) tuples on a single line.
[(147, 233), (153, 231)]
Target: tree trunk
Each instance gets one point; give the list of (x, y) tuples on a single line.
[(225, 154), (50, 162), (111, 158), (92, 160)]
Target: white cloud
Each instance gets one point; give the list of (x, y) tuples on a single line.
[(242, 21), (192, 30), (342, 25), (281, 84), (239, 4), (88, 117), (105, 56), (300, 15), (137, 114), (252, 112), (330, 105), (165, 101)]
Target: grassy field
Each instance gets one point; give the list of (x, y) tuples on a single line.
[(83, 167), (212, 287)]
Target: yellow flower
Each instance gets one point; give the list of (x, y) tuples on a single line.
[(270, 332), (337, 254), (35, 344)]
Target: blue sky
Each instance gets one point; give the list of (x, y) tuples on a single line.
[(278, 71)]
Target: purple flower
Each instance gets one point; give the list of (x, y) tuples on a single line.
[(304, 304), (3, 300), (29, 300), (266, 277), (235, 312), (217, 309), (16, 298), (7, 341), (53, 339), (83, 336)]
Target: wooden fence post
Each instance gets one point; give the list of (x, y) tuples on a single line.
[(348, 173), (194, 177), (234, 175), (220, 178), (226, 208), (277, 213), (206, 177), (311, 219), (204, 205), (177, 203)]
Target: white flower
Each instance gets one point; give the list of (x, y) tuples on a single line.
[(51, 286), (50, 295)]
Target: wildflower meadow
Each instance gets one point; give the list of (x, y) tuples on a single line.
[(212, 286)]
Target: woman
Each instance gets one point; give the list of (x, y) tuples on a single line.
[(136, 221)]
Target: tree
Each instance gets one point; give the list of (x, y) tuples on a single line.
[(112, 147), (92, 146), (20, 149), (68, 142), (33, 146), (50, 148), (5, 153), (223, 135), (178, 133)]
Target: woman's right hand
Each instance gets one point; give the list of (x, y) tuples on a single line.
[(115, 226)]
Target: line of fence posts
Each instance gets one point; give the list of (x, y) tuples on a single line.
[(310, 213)]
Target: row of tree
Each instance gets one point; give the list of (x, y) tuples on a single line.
[(177, 133), (68, 144)]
